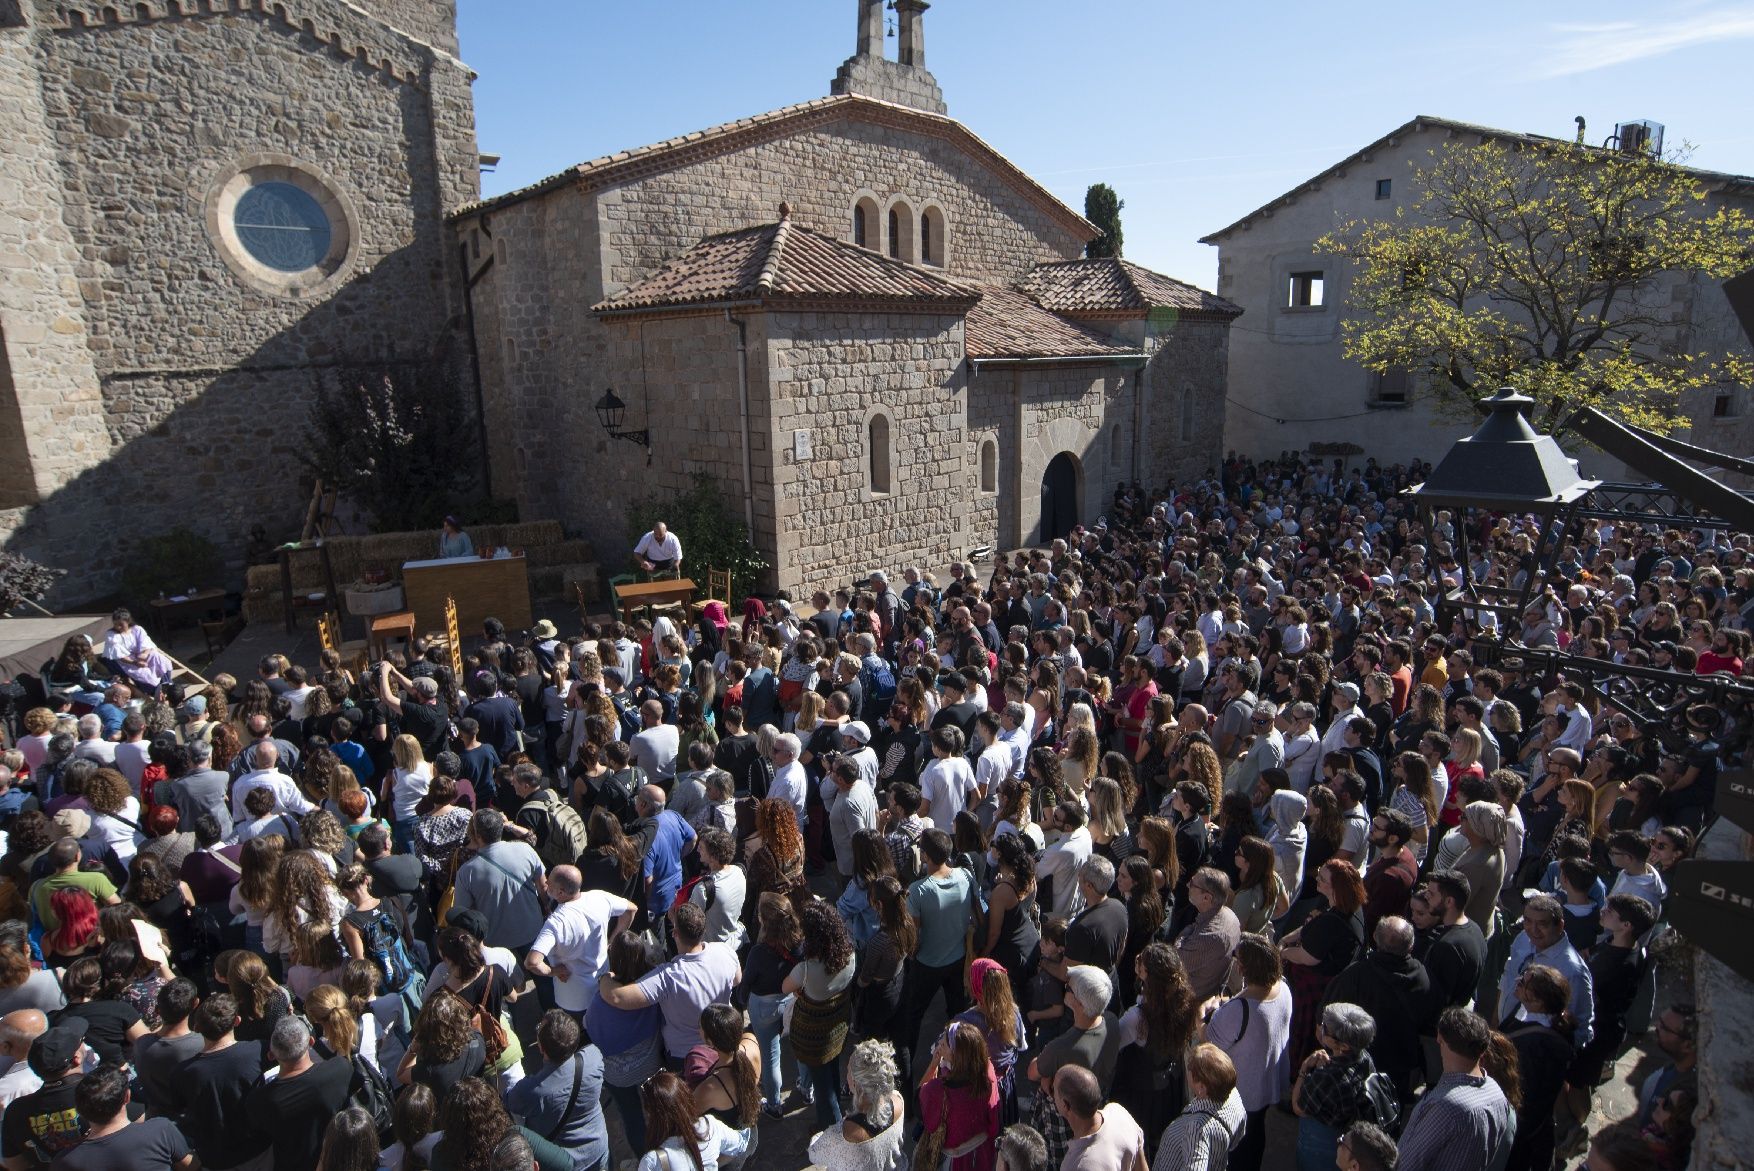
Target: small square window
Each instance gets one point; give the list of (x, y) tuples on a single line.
[(1384, 187), (1305, 291), (1390, 388), (1723, 406)]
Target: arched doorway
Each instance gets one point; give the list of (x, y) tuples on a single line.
[(1059, 497)]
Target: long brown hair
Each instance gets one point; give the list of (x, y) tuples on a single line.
[(604, 835), (970, 1065), (890, 902), (329, 1009), (1167, 999), (260, 862), (999, 1008), (670, 1114), (250, 985), (475, 1120)]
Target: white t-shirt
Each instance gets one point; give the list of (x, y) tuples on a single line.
[(652, 549), (1117, 1145), (407, 787), (577, 935), (947, 783)]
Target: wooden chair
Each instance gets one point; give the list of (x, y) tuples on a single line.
[(718, 589), (355, 654), (619, 579)]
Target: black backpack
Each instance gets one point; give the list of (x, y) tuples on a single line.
[(371, 1093)]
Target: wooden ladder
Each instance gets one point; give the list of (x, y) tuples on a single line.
[(320, 516)]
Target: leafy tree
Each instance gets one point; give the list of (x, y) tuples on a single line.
[(1102, 207), (713, 535), (169, 563), (396, 441), (1548, 268)]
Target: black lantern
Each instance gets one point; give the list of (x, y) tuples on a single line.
[(611, 411)]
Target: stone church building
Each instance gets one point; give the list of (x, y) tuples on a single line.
[(864, 322), (206, 208)]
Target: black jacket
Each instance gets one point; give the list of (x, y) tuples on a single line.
[(1397, 992)]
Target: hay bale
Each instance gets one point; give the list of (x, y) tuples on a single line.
[(559, 553)]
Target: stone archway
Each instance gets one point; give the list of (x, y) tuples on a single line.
[(1062, 484)]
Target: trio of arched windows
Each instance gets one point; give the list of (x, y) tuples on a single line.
[(899, 234)]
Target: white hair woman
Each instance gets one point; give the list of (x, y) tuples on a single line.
[(868, 1139)]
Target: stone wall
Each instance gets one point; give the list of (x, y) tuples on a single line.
[(204, 377), (1185, 408), (827, 374)]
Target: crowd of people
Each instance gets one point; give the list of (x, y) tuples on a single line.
[(1206, 836)]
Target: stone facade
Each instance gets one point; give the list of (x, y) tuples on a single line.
[(1287, 364), (814, 380), (153, 365)]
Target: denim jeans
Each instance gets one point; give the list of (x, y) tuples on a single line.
[(402, 834), (825, 1082), (765, 1022), (1316, 1145)]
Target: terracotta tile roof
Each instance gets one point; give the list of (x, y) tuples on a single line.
[(670, 153), (1112, 285), (1422, 122), (1007, 324), (785, 262)]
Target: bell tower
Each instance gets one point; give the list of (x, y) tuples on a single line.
[(905, 80)]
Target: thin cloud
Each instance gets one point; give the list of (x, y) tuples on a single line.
[(1581, 48)]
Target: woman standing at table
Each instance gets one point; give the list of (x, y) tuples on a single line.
[(453, 541)]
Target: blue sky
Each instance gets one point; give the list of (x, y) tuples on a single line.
[(1196, 114)]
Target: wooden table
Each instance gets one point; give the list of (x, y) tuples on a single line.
[(493, 588), (674, 592), (166, 611)]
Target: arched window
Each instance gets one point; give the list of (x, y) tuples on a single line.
[(859, 229), (877, 453), (894, 234), (1187, 413), (932, 238), (989, 466)]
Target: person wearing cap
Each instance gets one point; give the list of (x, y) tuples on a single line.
[(417, 708), (1345, 707), (659, 552), (45, 1123), (453, 541), (1092, 1042), (855, 739)]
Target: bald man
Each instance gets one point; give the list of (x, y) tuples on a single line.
[(17, 1031), (667, 836), (573, 946)]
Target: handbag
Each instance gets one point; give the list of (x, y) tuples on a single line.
[(929, 1150)]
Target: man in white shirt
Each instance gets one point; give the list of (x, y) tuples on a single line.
[(1016, 728), (17, 1031), (789, 782), (994, 765), (263, 758), (131, 753), (659, 551), (1345, 707), (654, 746), (1069, 847), (1104, 1138), (855, 739), (947, 782), (1303, 748), (573, 945)]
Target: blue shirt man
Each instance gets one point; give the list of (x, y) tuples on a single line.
[(667, 837), (1542, 941)]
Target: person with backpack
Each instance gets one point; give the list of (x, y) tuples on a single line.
[(1334, 1086), (876, 681), (378, 930), (545, 821)]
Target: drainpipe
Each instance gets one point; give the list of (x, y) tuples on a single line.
[(743, 416), (1138, 420), (469, 281)]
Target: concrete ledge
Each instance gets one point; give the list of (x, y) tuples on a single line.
[(1725, 1117)]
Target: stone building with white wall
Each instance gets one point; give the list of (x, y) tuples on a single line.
[(1292, 385), (858, 317), (205, 207)]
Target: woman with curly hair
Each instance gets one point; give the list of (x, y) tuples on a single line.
[(325, 838), (258, 701), (445, 1049), (475, 1121), (226, 745), (678, 1135), (1080, 762), (115, 816), (39, 726), (869, 1139), (303, 892), (775, 856), (1199, 763), (1156, 1033), (822, 982)]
